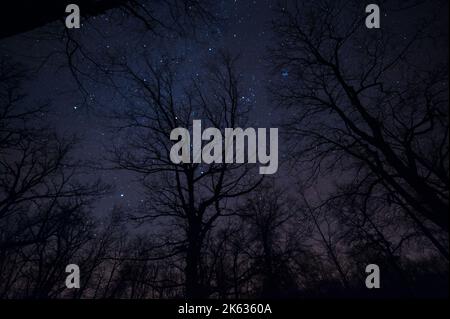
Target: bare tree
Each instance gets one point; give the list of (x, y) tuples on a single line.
[(266, 216), (43, 204), (150, 22), (364, 108), (190, 197)]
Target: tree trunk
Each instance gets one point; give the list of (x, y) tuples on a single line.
[(194, 287)]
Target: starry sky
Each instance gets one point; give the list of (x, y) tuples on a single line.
[(245, 30)]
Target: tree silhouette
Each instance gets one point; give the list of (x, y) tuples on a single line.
[(193, 196), (388, 136)]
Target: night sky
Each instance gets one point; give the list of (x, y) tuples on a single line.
[(362, 178), (245, 30)]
